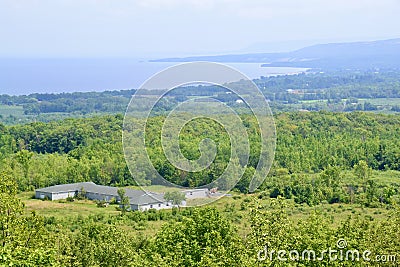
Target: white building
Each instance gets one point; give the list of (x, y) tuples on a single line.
[(196, 193), (138, 199)]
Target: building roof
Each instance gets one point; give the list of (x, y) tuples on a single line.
[(195, 189), (147, 198), (62, 188), (136, 197), (139, 197), (101, 189)]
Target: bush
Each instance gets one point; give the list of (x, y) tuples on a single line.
[(49, 220), (81, 195), (101, 203), (113, 201), (247, 200)]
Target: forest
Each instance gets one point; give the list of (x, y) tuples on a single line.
[(325, 163), (74, 150)]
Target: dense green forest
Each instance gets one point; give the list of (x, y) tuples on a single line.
[(314, 150)]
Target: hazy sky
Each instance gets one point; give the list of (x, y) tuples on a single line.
[(149, 28)]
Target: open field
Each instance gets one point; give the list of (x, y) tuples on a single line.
[(235, 208), (6, 110), (382, 101), (62, 209), (13, 115)]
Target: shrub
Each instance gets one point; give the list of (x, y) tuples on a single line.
[(101, 203), (113, 201)]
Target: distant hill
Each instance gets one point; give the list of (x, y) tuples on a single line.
[(356, 55)]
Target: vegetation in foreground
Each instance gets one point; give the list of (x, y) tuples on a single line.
[(204, 236)]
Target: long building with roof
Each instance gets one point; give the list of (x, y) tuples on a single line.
[(138, 199)]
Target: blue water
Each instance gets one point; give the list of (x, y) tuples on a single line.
[(26, 76)]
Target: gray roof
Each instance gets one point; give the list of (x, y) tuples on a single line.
[(136, 197), (101, 189), (195, 190), (147, 198), (66, 187)]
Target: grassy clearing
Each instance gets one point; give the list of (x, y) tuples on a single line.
[(234, 207), (6, 111), (387, 177), (382, 101), (62, 209)]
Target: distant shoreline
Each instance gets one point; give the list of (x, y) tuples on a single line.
[(29, 76)]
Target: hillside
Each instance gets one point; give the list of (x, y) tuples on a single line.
[(355, 55)]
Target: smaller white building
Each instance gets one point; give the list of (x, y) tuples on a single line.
[(196, 193), (148, 200)]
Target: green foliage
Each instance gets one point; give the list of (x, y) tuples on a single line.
[(90, 150), (272, 231), (77, 150), (101, 203), (189, 237), (22, 238), (202, 239), (99, 245), (175, 197), (81, 195), (362, 171), (11, 209), (124, 200), (23, 157)]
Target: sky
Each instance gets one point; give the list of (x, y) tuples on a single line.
[(156, 28)]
